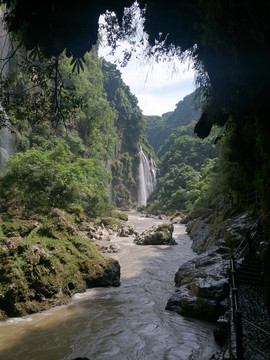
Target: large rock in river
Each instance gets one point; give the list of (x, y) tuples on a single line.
[(157, 235), (203, 287)]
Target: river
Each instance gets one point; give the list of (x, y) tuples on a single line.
[(124, 323)]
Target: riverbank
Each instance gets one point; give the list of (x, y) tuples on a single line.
[(44, 263), (129, 321), (203, 282)]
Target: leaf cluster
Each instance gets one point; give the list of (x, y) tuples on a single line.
[(183, 160)]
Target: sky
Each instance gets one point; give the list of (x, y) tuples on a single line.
[(157, 86)]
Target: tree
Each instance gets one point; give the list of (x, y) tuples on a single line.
[(37, 181)]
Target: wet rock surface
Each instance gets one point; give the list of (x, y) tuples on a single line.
[(127, 230), (157, 235), (209, 232), (203, 287), (111, 248)]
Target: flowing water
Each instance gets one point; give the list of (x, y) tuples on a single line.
[(147, 178), (7, 138), (7, 143), (124, 323)]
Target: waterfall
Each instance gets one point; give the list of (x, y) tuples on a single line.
[(147, 178), (7, 138)]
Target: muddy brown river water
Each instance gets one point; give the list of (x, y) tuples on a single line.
[(124, 323)]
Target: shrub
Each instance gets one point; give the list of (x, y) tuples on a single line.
[(37, 181)]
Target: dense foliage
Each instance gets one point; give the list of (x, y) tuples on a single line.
[(183, 160), (91, 119), (129, 127), (159, 128), (228, 42), (37, 181)]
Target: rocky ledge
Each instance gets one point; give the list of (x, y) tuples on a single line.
[(202, 283), (156, 235), (203, 287)]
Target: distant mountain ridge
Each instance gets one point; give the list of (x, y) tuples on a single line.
[(159, 128)]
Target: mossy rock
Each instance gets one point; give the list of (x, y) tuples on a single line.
[(77, 212), (58, 225), (18, 227), (120, 215), (141, 208), (109, 222), (157, 235), (39, 271)]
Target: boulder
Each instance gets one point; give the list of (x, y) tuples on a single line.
[(157, 235), (127, 230), (112, 248), (176, 220), (203, 286), (199, 231), (210, 231)]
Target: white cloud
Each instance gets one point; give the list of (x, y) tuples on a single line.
[(158, 86)]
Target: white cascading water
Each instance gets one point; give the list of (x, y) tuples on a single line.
[(147, 178), (7, 138)]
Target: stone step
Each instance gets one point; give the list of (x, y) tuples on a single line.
[(251, 262), (250, 278), (250, 271), (258, 282)]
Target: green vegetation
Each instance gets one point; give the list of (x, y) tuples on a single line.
[(44, 262), (129, 127), (159, 128), (229, 43), (74, 141), (183, 161), (90, 118), (37, 181)]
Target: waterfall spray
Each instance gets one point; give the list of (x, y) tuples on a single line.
[(147, 178), (7, 139)]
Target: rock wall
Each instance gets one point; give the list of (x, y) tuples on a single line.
[(203, 283)]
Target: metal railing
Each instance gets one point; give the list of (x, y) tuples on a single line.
[(238, 319), (246, 199), (245, 241)]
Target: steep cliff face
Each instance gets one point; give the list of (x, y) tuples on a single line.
[(129, 126), (7, 145)]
